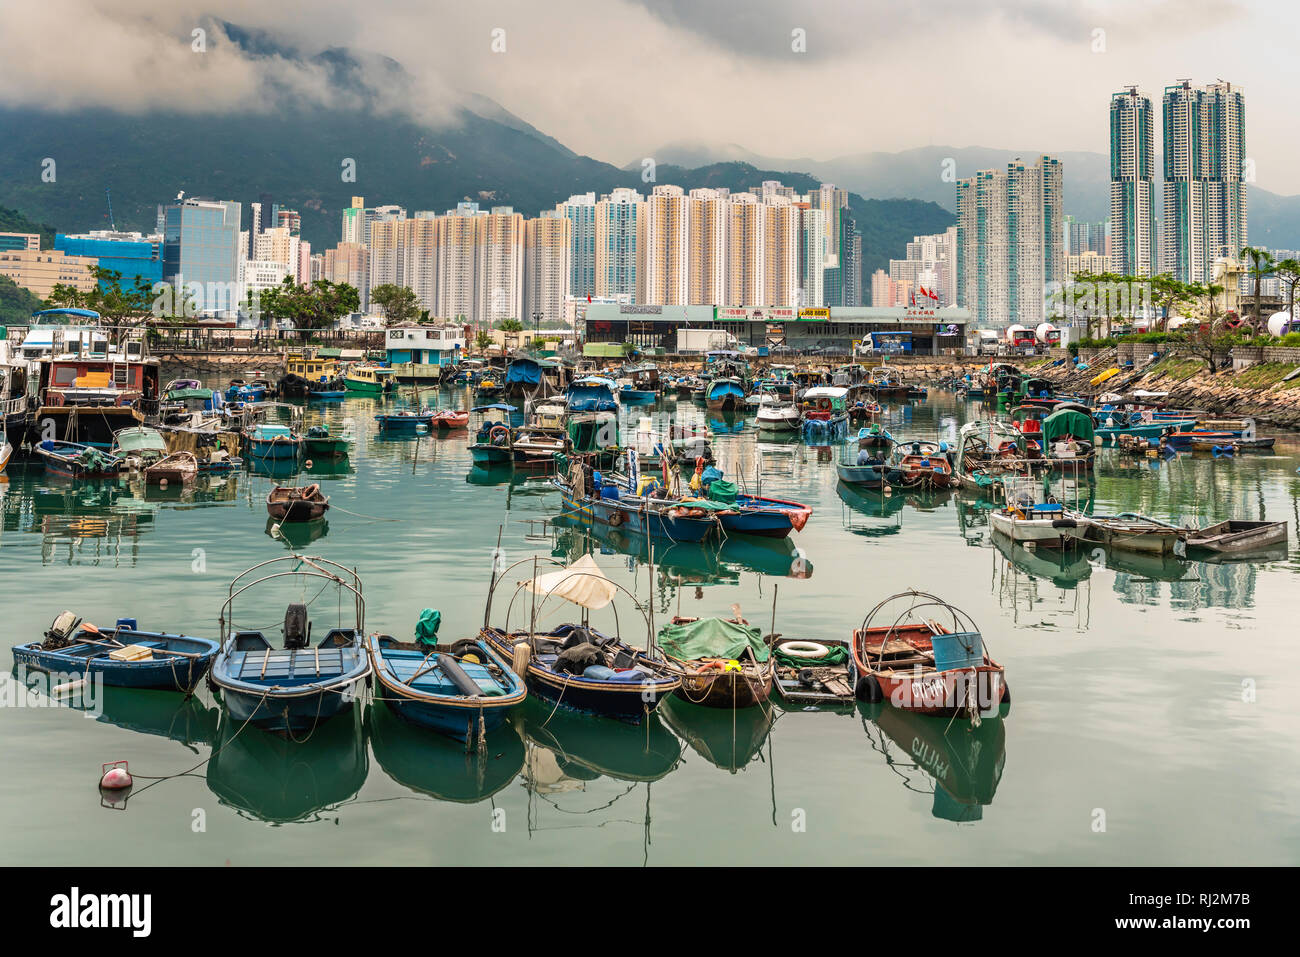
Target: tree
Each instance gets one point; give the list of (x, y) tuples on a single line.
[(399, 303), (116, 305), (510, 325), (1288, 270), (1261, 265), (483, 340), (309, 308), (1167, 293)]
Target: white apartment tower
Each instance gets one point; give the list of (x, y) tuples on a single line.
[(1132, 189)]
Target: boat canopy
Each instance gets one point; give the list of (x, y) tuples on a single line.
[(1068, 422), (495, 407), (826, 392), (140, 438), (582, 583), (712, 638)]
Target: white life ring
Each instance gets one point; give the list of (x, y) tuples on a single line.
[(804, 649)]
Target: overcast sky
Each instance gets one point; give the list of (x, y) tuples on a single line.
[(617, 78)]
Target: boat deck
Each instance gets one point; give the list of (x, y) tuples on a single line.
[(297, 667), (404, 665)]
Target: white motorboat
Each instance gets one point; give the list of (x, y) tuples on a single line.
[(778, 417)]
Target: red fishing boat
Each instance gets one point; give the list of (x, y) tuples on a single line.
[(448, 420), (922, 462), (926, 665)]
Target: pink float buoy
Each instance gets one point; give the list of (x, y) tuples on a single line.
[(116, 776)]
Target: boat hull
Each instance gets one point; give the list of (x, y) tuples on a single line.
[(174, 673), (294, 714), (1044, 532), (655, 523), (731, 689)]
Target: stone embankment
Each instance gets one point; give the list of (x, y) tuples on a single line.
[(221, 365)]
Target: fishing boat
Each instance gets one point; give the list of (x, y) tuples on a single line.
[(886, 383), (463, 690), (449, 420), (491, 445), (535, 447), (1233, 445), (740, 514), (125, 657), (576, 666), (725, 394), (179, 468), (612, 499), (824, 411), (1045, 524), (778, 417), (238, 390), (935, 666), (367, 379), (292, 688), (640, 384), (319, 442), (867, 469), (286, 503), (6, 450), (1235, 537), (1129, 531), (924, 462), (1069, 439), (138, 446), (723, 662), (307, 374), (990, 452), (592, 394), (1114, 423), (75, 460), (814, 673), (273, 442)]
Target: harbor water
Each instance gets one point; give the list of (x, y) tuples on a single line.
[(1154, 713)]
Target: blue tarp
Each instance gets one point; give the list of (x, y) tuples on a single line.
[(524, 370)]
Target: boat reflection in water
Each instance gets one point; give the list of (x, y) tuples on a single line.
[(443, 770), (687, 563), (273, 778), (727, 739), (296, 535), (588, 771), (1064, 568), (963, 764), (873, 503), (273, 468)]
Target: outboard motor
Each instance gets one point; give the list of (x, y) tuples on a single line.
[(297, 629)]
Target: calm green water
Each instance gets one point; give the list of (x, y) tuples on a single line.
[(1160, 695)]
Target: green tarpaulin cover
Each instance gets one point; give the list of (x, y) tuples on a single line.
[(1067, 422), (426, 629), (711, 638), (722, 491)]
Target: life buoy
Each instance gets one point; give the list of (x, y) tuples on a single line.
[(804, 649), (824, 404), (616, 518), (310, 491)]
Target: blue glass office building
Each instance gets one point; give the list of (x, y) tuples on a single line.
[(201, 245), (134, 259)]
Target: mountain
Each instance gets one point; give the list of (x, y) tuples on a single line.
[(12, 221), (1274, 220), (477, 150)]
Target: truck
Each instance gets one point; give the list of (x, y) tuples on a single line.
[(703, 340)]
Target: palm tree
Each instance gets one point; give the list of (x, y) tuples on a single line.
[(1261, 264)]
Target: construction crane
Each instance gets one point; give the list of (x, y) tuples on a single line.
[(108, 193)]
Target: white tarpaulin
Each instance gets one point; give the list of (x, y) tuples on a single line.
[(582, 583)]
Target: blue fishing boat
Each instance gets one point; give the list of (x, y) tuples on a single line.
[(725, 395), (575, 666), (748, 514), (612, 503), (241, 392), (868, 471), (75, 460), (492, 440), (1111, 424), (463, 690), (293, 688), (405, 420), (273, 442), (592, 394), (125, 657), (326, 395)]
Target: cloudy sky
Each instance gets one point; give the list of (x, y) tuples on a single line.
[(617, 78)]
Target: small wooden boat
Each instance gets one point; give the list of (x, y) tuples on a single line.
[(923, 462), (319, 442), (293, 688), (74, 460), (1234, 444), (723, 663), (756, 515), (917, 663), (1235, 537), (576, 666), (463, 690), (447, 420), (612, 503), (534, 447), (725, 395), (125, 657), (289, 504), (405, 420), (817, 673), (1131, 532), (179, 468)]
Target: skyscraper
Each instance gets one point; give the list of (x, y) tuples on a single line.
[(620, 227), (201, 245), (1132, 189), (547, 247), (664, 277), (580, 211), (1010, 241), (707, 227), (1204, 193)]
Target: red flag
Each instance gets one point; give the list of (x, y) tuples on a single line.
[(912, 298), (588, 297)]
